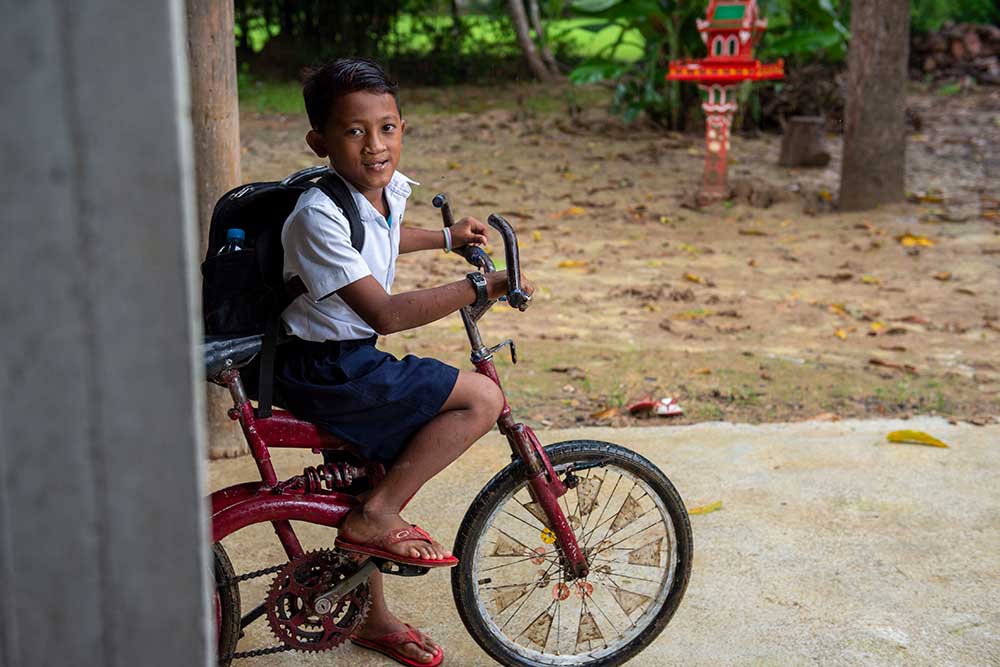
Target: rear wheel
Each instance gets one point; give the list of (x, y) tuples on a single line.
[(515, 597), (227, 605)]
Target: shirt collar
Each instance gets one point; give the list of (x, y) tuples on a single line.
[(397, 189)]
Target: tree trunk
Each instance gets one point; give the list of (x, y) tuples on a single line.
[(520, 18), (874, 162), (536, 22), (216, 124)]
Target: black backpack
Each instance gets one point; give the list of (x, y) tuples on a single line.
[(244, 292)]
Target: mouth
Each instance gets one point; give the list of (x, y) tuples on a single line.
[(376, 165)]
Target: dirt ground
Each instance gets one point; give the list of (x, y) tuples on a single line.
[(769, 307)]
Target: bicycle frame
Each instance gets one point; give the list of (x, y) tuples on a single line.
[(313, 496)]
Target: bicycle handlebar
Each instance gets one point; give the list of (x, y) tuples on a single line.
[(516, 296), (473, 254)]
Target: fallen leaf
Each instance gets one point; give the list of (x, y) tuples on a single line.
[(915, 438), (454, 165), (702, 371), (665, 219), (826, 195), (706, 509), (826, 417), (841, 334), (870, 280), (572, 210), (694, 278), (876, 328), (913, 319), (752, 232), (572, 264), (838, 309), (910, 240), (606, 413), (892, 348), (942, 276), (875, 361), (689, 249), (689, 315), (536, 235), (966, 291)]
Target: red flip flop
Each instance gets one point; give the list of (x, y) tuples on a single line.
[(379, 548), (389, 647)]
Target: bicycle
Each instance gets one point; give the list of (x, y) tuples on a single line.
[(552, 569)]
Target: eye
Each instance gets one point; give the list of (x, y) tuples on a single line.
[(355, 132), (388, 127)]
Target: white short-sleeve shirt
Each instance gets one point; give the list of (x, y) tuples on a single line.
[(317, 246)]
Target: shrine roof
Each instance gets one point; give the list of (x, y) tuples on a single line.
[(729, 12)]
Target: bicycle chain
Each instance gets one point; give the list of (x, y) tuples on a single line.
[(258, 652)]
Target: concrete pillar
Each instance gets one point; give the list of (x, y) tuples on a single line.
[(103, 558)]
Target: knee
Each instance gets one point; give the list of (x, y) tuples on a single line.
[(488, 400)]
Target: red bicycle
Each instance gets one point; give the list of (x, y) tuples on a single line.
[(578, 553)]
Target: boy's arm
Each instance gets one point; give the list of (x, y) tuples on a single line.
[(388, 313), (464, 232)]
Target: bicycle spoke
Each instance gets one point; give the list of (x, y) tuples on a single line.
[(638, 532), (603, 509), (527, 597), (523, 560)]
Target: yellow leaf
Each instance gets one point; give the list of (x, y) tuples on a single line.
[(572, 264), (607, 413), (689, 315), (910, 240), (653, 308), (877, 327), (841, 334), (689, 249), (706, 509), (915, 438), (702, 371), (665, 220), (838, 309), (572, 210), (454, 165), (870, 280), (942, 276), (536, 235), (826, 195), (693, 278)]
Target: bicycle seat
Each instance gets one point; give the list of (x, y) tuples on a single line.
[(222, 352)]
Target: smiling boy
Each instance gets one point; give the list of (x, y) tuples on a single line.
[(415, 415)]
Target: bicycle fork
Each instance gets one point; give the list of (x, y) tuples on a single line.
[(544, 485)]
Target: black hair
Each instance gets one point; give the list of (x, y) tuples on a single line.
[(323, 85)]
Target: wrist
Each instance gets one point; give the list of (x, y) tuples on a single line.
[(481, 285)]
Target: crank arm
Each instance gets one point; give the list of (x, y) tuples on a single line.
[(323, 604), (507, 343)]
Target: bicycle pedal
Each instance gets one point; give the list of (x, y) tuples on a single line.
[(399, 569)]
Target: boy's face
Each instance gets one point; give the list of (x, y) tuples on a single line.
[(363, 139)]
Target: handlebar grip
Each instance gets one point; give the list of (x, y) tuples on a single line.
[(516, 296), (441, 201)]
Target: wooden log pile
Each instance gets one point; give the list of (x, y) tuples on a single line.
[(958, 51)]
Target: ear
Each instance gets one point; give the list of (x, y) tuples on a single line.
[(317, 143), (402, 126)]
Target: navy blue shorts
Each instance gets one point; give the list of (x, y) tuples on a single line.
[(361, 394)]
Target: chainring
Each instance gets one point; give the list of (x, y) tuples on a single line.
[(290, 612)]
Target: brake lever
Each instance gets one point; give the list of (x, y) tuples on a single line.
[(516, 297)]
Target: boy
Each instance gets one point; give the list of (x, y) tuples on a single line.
[(414, 415)]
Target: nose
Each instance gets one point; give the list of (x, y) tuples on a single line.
[(374, 143)]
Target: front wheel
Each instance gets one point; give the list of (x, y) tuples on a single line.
[(513, 594)]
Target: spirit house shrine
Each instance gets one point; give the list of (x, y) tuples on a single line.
[(730, 31)]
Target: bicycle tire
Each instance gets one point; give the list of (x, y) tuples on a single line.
[(502, 488), (227, 605)]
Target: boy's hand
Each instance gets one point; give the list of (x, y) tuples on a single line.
[(468, 231), (496, 284)]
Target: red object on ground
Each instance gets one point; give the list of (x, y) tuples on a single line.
[(389, 647), (730, 30)]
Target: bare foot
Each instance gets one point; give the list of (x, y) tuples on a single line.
[(362, 526), (375, 629)]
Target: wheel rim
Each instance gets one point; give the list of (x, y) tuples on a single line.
[(523, 596)]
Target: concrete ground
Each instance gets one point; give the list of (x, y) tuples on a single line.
[(832, 547)]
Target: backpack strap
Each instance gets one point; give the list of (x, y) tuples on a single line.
[(334, 187)]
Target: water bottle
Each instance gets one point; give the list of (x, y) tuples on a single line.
[(235, 240)]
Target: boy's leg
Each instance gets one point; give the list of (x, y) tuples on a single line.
[(470, 412), (381, 622)]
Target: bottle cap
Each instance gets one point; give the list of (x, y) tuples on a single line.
[(235, 234)]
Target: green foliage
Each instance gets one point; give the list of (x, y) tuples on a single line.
[(929, 15), (802, 31), (667, 30)]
